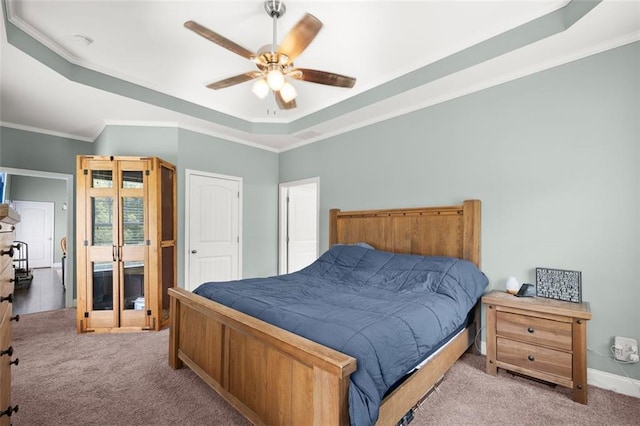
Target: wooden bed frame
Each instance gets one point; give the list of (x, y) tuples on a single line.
[(273, 376)]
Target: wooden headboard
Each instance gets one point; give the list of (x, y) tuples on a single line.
[(452, 231)]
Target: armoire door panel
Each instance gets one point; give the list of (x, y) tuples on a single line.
[(119, 239)]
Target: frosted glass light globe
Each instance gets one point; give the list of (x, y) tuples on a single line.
[(288, 92), (275, 79), (260, 88)]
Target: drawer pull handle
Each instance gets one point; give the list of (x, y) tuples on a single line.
[(530, 330), (8, 298), (9, 411), (15, 361), (531, 358), (10, 251), (16, 318), (8, 351)]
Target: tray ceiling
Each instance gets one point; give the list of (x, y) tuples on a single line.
[(142, 67)]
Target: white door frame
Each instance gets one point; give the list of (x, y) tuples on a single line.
[(187, 197), (70, 302), (283, 219)]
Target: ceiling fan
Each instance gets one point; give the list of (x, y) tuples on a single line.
[(275, 63)]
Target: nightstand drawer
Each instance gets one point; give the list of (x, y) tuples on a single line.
[(533, 357), (540, 331)]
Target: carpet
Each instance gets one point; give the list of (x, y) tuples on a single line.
[(123, 379)]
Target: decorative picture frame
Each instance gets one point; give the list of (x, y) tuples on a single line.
[(560, 284)]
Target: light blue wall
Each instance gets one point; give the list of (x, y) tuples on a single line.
[(139, 141), (258, 169), (38, 152), (20, 149), (554, 157), (190, 150), (29, 188), (187, 150)]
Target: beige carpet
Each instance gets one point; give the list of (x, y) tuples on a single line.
[(123, 379)]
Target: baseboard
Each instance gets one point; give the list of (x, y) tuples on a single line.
[(602, 379), (613, 382)]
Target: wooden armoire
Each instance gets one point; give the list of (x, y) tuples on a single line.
[(126, 242)]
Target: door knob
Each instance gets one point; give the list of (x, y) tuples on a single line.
[(194, 251)]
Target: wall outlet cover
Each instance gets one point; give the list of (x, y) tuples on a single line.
[(624, 347)]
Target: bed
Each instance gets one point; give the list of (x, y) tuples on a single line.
[(274, 376)]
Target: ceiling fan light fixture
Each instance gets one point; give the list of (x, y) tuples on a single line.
[(288, 92), (275, 78), (261, 88), (275, 61)]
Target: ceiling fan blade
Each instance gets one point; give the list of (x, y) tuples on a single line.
[(219, 40), (322, 77), (282, 104), (236, 79), (300, 36)]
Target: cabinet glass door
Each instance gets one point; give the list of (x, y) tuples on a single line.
[(132, 181), (101, 243)]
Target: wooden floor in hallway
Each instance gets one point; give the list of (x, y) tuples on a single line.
[(45, 293)]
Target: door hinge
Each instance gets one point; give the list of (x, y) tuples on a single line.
[(148, 242), (85, 172), (148, 312), (111, 158), (86, 314), (86, 243), (238, 194), (147, 172)]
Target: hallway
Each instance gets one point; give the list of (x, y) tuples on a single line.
[(44, 294)]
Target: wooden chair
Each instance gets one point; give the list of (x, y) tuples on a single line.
[(63, 246)]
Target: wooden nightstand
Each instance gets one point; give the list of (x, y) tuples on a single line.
[(537, 337)]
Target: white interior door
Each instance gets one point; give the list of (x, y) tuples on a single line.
[(36, 230), (213, 228), (298, 224)]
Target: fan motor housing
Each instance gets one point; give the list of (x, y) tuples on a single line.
[(275, 8)]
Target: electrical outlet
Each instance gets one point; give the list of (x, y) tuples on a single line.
[(625, 349)]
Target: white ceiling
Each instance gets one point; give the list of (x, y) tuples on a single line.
[(378, 42)]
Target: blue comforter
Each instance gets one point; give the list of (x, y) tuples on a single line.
[(389, 311)]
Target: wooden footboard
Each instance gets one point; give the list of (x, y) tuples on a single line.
[(273, 376), (270, 375)]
